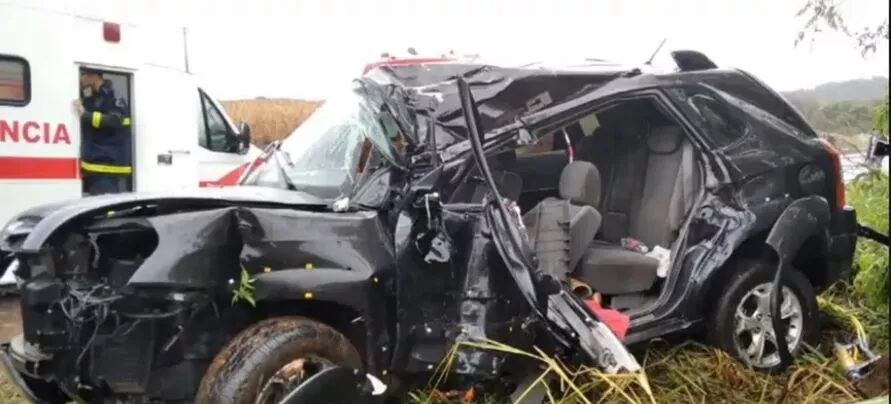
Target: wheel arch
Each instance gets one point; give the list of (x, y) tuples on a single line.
[(810, 259)]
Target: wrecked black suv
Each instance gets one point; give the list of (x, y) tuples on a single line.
[(430, 205)]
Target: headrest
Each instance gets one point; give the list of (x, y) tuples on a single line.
[(580, 183), (665, 139)]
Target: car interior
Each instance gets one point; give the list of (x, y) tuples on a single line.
[(634, 180)]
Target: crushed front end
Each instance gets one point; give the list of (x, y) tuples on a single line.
[(82, 329)]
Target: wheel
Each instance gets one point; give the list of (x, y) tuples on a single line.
[(740, 323), (268, 359)]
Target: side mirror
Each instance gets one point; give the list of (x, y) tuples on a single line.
[(877, 148), (243, 137)]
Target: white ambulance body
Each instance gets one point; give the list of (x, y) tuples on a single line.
[(181, 137)]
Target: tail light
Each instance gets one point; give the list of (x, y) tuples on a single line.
[(835, 157)]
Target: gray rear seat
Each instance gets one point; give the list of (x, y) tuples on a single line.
[(666, 172), (561, 230)]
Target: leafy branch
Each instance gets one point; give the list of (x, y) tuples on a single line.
[(823, 15), (245, 289)]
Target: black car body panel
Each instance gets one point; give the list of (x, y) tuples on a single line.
[(44, 220), (404, 268)]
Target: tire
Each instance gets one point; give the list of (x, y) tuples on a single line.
[(751, 276), (241, 370)]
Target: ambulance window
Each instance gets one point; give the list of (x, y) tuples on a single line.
[(15, 81), (213, 132)]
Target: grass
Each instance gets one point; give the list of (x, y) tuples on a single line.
[(692, 372), (869, 194)]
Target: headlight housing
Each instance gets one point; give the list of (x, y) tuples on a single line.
[(15, 232)]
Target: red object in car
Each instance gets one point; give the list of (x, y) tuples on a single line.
[(613, 319)]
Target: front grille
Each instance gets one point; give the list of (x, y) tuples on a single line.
[(124, 362)]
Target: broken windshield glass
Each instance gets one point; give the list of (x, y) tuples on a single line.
[(347, 136)]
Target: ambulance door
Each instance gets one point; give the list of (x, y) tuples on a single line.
[(39, 148), (221, 150), (164, 130)]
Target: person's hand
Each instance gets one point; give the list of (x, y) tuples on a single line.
[(78, 107)]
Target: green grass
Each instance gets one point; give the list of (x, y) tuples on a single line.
[(869, 195), (696, 373)]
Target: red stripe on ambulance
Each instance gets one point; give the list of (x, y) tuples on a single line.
[(38, 168), (229, 179), (232, 176)]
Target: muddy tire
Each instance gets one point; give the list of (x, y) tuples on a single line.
[(242, 369), (740, 324)]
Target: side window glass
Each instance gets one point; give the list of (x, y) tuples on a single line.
[(15, 81), (214, 135), (711, 114), (203, 139)]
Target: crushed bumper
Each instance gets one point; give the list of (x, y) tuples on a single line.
[(843, 232), (12, 372), (32, 375)]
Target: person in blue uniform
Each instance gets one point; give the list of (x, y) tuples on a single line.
[(106, 137)]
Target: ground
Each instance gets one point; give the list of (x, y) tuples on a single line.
[(9, 326), (692, 372)]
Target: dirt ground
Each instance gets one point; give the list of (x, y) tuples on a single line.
[(876, 382), (10, 318)]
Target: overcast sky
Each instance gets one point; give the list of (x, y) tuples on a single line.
[(296, 48)]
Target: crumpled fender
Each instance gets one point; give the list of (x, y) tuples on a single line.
[(802, 219), (336, 285)]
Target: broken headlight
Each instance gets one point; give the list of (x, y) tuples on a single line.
[(15, 232)]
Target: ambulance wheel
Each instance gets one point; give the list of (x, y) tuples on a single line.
[(272, 357), (740, 323)]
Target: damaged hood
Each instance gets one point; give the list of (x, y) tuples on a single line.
[(29, 229)]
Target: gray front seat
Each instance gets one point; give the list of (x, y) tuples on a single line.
[(561, 230), (657, 214)]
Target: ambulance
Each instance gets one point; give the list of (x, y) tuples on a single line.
[(182, 137)]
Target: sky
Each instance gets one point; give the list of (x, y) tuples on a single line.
[(299, 48)]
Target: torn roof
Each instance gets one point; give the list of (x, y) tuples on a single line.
[(503, 94)]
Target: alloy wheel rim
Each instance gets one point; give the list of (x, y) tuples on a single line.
[(753, 334)]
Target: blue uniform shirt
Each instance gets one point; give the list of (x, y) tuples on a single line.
[(106, 140)]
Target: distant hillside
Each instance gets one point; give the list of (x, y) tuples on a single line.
[(843, 107), (849, 90)]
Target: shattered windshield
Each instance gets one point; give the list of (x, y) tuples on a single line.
[(347, 137)]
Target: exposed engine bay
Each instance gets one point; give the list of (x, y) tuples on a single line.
[(111, 307)]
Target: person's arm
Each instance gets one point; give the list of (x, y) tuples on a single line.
[(116, 117)]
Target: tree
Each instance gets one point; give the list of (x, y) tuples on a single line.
[(826, 14)]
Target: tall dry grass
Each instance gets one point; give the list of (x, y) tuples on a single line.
[(270, 118)]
